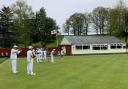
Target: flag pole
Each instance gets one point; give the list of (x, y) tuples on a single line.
[(57, 42), (55, 32)]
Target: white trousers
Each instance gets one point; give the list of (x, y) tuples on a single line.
[(30, 67), (39, 58), (14, 65), (52, 59), (45, 56)]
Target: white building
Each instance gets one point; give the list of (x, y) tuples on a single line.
[(93, 44)]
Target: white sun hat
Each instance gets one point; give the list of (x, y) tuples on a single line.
[(30, 47), (15, 46)]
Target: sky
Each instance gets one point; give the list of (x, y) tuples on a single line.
[(60, 10)]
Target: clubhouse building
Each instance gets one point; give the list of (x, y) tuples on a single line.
[(93, 44)]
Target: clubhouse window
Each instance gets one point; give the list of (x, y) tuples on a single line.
[(79, 47), (113, 46), (119, 46), (86, 47), (100, 47), (104, 47), (82, 47), (116, 46), (96, 47), (124, 46)]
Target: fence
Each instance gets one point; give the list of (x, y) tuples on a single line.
[(5, 52)]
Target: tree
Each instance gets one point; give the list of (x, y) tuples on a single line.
[(75, 24), (100, 20), (113, 22), (117, 20), (22, 15), (87, 23), (7, 38), (42, 27), (126, 28), (40, 24), (66, 27), (50, 26)]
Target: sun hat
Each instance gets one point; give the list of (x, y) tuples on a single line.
[(15, 46), (30, 47)]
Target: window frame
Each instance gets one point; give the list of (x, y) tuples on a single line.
[(116, 46), (100, 47), (81, 47)]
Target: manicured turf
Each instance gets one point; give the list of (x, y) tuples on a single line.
[(71, 72), (2, 60)]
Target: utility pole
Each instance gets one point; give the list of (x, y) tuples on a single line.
[(126, 23)]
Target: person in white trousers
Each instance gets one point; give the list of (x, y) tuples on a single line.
[(52, 55), (13, 57), (30, 57), (37, 57), (45, 53), (40, 55), (43, 50), (62, 52)]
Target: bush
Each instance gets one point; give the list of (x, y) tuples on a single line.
[(37, 45)]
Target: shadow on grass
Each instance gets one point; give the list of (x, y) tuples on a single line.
[(2, 59)]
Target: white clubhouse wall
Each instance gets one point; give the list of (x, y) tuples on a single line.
[(91, 51)]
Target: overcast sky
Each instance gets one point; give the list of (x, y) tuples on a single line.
[(60, 10)]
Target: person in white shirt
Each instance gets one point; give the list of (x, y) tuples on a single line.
[(45, 53), (62, 52), (37, 55), (43, 50), (30, 57), (13, 57), (40, 55), (52, 55)]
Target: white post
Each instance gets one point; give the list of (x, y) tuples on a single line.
[(54, 32)]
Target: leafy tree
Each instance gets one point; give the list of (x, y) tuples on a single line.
[(117, 24), (22, 15), (126, 27), (66, 27), (114, 22), (87, 23), (42, 27), (50, 26), (100, 19), (7, 37), (40, 24), (75, 24)]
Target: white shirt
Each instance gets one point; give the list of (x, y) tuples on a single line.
[(62, 52), (14, 53), (52, 53)]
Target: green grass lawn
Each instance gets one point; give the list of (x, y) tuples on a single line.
[(2, 60), (71, 72)]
